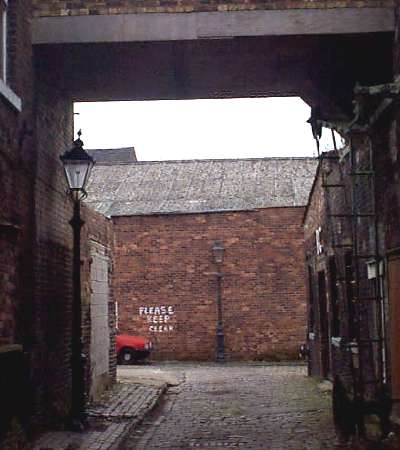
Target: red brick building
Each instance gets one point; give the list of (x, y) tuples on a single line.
[(167, 217)]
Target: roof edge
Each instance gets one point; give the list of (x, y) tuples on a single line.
[(211, 211), (183, 161)]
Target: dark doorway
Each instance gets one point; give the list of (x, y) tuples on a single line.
[(323, 325), (333, 291)]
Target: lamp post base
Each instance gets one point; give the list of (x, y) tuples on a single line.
[(220, 345)]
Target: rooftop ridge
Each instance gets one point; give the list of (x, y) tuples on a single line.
[(109, 148), (183, 161)]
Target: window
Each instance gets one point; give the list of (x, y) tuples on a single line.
[(3, 40), (6, 92)]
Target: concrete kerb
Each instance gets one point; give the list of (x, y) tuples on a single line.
[(139, 419), (125, 409)]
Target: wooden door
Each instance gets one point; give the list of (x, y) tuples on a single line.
[(394, 318), (323, 325)]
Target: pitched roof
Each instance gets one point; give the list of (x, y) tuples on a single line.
[(113, 155), (196, 186)]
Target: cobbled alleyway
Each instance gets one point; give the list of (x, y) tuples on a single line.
[(249, 406)]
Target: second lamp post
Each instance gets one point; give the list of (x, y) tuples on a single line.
[(218, 253)]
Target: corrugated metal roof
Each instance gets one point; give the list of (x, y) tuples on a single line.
[(196, 186)]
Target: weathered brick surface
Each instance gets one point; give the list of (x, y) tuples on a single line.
[(16, 170), (17, 175), (53, 260), (35, 237), (91, 7), (313, 219), (334, 233), (383, 138), (357, 308), (167, 261)]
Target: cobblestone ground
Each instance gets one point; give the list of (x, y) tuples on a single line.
[(249, 406), (109, 420)]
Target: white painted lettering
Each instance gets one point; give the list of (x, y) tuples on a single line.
[(158, 318)]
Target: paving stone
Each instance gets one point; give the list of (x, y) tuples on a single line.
[(120, 411)]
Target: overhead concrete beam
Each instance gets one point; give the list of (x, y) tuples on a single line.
[(207, 25)]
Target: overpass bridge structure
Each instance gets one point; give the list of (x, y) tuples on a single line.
[(185, 49)]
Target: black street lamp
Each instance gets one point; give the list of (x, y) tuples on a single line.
[(77, 166), (218, 253)]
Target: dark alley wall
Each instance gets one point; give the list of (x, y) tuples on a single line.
[(53, 259), (167, 261), (17, 166), (36, 243), (353, 312), (17, 169)]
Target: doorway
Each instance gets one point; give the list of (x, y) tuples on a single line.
[(323, 325), (99, 316), (394, 306)]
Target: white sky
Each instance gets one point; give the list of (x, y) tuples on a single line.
[(197, 129)]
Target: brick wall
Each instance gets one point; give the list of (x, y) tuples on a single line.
[(53, 260), (52, 312), (313, 219), (17, 156), (347, 283), (167, 261), (326, 359), (16, 174), (323, 355), (63, 8), (35, 237)]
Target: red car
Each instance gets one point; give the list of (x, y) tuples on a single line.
[(132, 348)]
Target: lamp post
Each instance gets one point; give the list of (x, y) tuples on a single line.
[(218, 253), (77, 166)]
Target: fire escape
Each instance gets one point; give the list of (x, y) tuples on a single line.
[(352, 225)]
